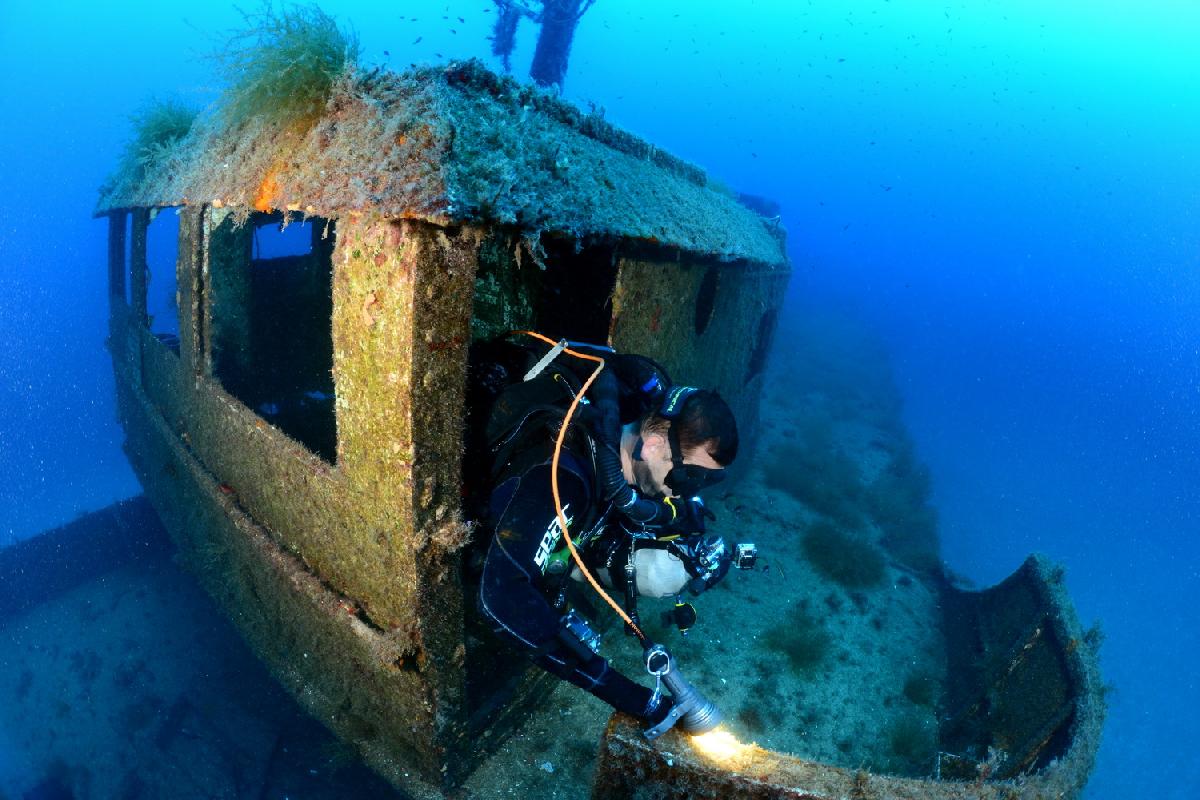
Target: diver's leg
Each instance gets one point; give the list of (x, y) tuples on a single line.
[(596, 676), (512, 594)]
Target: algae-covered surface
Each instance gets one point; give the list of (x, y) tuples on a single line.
[(451, 144)]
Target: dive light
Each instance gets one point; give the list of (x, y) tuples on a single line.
[(693, 712)]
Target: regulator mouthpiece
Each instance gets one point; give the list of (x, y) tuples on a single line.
[(692, 711)]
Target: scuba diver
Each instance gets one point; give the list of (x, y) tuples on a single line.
[(598, 476)]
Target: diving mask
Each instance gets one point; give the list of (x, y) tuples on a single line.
[(687, 480)]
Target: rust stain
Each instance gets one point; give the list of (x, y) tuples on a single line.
[(368, 316), (395, 234), (267, 190), (656, 319), (437, 347)]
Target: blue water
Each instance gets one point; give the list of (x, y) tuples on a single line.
[(1008, 193)]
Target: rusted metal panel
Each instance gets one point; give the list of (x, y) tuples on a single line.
[(138, 270), (226, 286), (188, 282)]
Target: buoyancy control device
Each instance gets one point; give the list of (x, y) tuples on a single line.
[(518, 384)]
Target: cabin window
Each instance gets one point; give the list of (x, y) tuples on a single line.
[(126, 282), (706, 300), (162, 284), (271, 307), (762, 344), (273, 240)]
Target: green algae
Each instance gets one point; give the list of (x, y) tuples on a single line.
[(158, 126), (842, 558), (284, 65), (800, 639)]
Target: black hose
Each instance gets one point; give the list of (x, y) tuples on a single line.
[(605, 405), (623, 496)]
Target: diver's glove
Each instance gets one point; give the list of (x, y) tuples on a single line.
[(706, 557), (710, 578), (657, 711), (688, 518)]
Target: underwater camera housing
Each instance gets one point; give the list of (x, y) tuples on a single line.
[(745, 555)]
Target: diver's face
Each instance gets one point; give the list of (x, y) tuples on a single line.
[(650, 474)]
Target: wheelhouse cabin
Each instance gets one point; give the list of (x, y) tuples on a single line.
[(290, 324)]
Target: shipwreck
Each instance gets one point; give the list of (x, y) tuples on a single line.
[(296, 416)]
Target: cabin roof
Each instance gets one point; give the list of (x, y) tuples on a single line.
[(455, 144)]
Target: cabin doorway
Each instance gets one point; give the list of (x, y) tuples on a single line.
[(564, 291)]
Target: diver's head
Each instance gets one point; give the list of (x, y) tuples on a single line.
[(683, 447)]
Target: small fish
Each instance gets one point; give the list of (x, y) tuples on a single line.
[(386, 53), (453, 31), (418, 41)]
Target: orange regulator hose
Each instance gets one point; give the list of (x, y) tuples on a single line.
[(558, 509)]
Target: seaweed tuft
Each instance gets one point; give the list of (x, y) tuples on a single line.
[(844, 559), (899, 503), (158, 126), (912, 743), (921, 689), (751, 718), (1094, 637), (283, 67), (814, 471), (800, 639)]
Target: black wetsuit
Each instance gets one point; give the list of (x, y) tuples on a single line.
[(518, 597)]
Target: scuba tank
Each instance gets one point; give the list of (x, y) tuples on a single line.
[(515, 383)]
